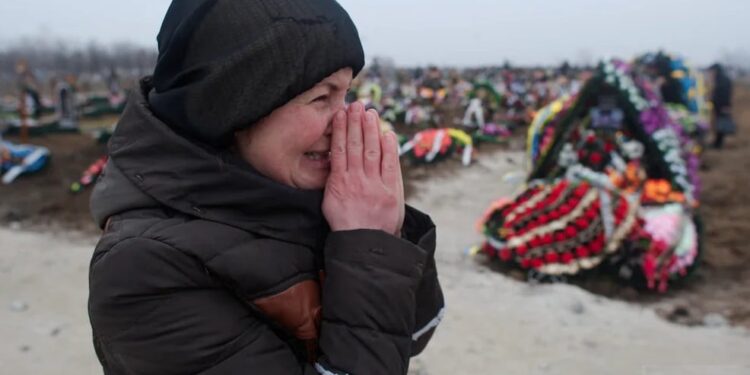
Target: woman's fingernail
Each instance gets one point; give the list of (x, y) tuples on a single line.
[(370, 117)]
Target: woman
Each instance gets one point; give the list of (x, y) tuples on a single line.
[(722, 105), (233, 243)]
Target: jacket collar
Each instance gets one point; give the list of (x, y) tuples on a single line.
[(210, 184)]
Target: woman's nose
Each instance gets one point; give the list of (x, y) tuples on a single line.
[(329, 127)]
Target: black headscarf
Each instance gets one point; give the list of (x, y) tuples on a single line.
[(225, 64)]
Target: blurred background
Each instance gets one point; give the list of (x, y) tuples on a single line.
[(643, 105)]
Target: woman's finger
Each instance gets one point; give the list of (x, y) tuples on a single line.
[(372, 144), (338, 143), (354, 143), (390, 168)]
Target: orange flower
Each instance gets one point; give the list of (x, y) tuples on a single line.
[(664, 187), (676, 196)]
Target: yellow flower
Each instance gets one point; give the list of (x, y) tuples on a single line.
[(460, 136)]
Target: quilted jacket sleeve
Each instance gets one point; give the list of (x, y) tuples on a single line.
[(381, 298)]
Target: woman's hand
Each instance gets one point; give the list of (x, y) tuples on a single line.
[(365, 189)]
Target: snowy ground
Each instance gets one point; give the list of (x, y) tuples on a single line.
[(493, 325), (43, 291)]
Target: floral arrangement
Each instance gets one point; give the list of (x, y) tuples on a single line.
[(432, 145), (90, 175), (560, 228), (613, 186), (541, 129), (17, 160)]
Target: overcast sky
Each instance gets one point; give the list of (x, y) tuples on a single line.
[(466, 32)]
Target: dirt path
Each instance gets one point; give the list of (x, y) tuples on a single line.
[(43, 321)]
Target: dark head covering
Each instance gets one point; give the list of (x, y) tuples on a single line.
[(225, 64)]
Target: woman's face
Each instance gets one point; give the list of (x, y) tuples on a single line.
[(291, 145)]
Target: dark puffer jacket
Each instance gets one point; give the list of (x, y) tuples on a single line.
[(206, 267)]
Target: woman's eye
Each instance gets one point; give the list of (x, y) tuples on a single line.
[(321, 98)]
